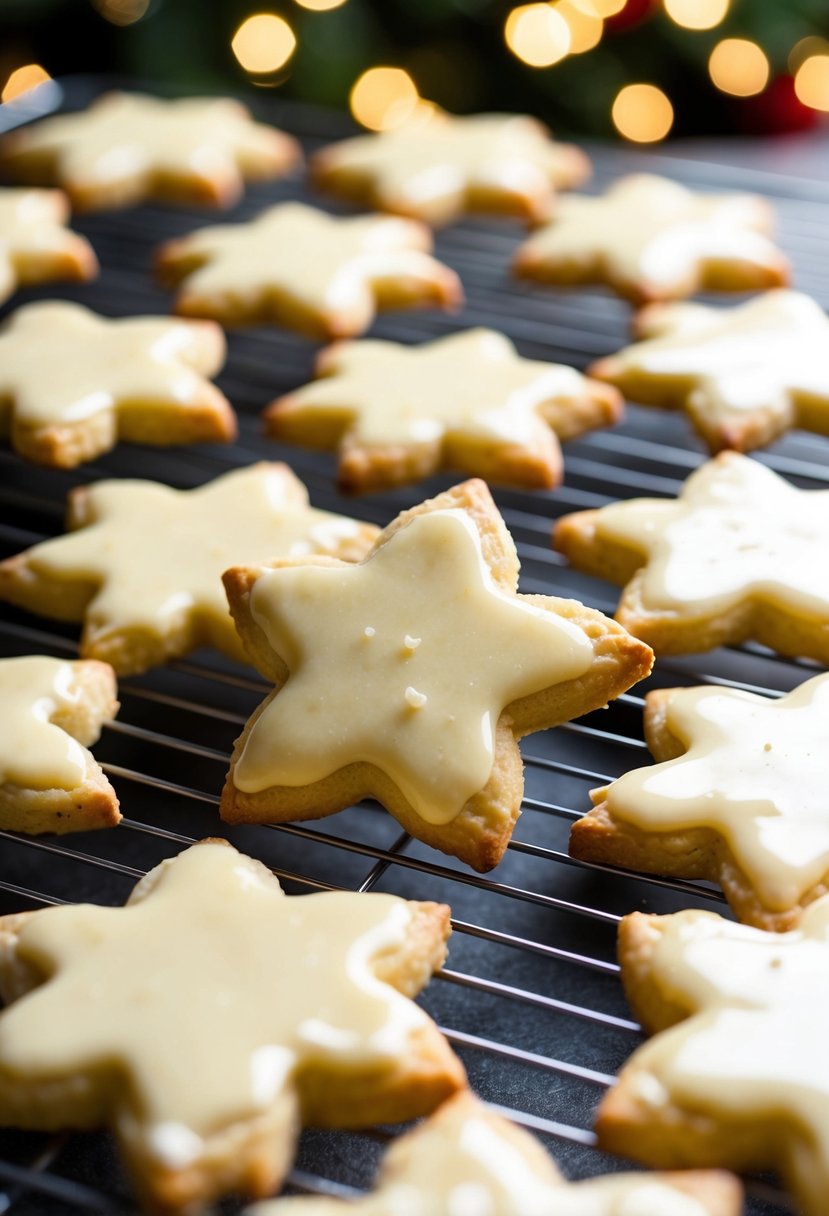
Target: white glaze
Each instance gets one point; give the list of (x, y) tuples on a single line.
[(736, 530), (756, 771), (34, 753), (471, 384), (276, 982), (341, 632)]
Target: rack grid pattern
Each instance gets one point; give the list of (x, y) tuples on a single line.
[(530, 995)]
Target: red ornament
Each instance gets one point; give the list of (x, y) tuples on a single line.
[(633, 12), (776, 111)]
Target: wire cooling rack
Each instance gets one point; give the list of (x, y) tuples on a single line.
[(530, 996)]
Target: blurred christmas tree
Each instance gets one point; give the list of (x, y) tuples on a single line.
[(641, 68)]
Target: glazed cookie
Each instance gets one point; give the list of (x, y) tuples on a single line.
[(35, 244), (142, 565), (744, 375), (51, 711), (737, 555), (324, 275), (737, 1074), (420, 668), (127, 147), (649, 238), (467, 1161), (303, 1018), (440, 167), (469, 402), (741, 797), (73, 383)]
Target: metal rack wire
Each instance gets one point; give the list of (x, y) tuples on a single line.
[(530, 995)]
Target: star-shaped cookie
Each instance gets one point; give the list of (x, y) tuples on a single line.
[(744, 375), (73, 383), (211, 1017), (738, 555), (649, 238), (321, 274), (468, 401), (142, 565), (51, 711), (127, 147), (35, 244), (741, 797), (409, 678), (438, 168), (467, 1161), (738, 1073)]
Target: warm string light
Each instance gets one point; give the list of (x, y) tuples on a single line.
[(537, 34), (541, 35), (384, 98), (739, 66), (804, 49), (600, 8), (122, 12), (697, 14), (23, 79), (811, 82), (586, 27), (642, 113), (263, 43)]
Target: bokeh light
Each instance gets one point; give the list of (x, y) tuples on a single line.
[(320, 6), (642, 113), (811, 82), (263, 43), (805, 48), (23, 79), (537, 34), (585, 26), (122, 12), (697, 14), (739, 66), (384, 98), (600, 8)]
